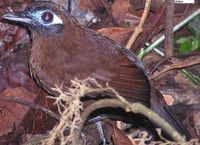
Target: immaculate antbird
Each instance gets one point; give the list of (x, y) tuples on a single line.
[(63, 50)]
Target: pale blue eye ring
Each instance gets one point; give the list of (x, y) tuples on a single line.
[(47, 17)]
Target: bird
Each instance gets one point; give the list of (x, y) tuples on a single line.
[(63, 50)]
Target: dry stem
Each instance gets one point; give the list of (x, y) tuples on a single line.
[(139, 28), (176, 64), (169, 34)]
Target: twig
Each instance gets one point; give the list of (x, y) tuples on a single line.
[(185, 11), (139, 28), (169, 12), (14, 99), (177, 64), (135, 108), (194, 78)]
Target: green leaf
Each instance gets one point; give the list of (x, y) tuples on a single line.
[(195, 44), (185, 47), (188, 44), (182, 40)]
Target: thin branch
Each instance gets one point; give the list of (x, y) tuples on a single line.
[(169, 45), (194, 78), (177, 64), (139, 28), (14, 99), (135, 108)]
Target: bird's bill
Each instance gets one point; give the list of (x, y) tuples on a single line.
[(17, 17)]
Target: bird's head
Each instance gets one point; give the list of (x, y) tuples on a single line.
[(43, 17)]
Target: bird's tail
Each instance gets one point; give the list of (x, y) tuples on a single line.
[(160, 107)]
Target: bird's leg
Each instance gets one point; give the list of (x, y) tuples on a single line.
[(83, 138), (101, 132), (97, 121)]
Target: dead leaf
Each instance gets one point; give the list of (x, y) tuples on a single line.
[(117, 34), (12, 112), (120, 138)]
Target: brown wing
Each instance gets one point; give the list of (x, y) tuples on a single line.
[(116, 65), (108, 62), (131, 83)]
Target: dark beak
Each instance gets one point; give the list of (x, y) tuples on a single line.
[(17, 17)]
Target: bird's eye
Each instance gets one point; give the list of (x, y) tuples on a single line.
[(47, 17)]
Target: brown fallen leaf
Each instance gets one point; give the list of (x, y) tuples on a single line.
[(11, 113), (119, 9), (120, 138), (117, 34)]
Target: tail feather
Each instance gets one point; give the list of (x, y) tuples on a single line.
[(160, 107)]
